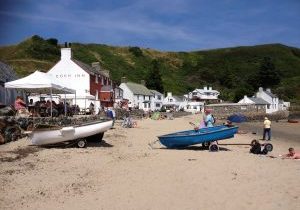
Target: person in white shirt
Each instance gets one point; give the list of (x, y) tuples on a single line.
[(267, 129)]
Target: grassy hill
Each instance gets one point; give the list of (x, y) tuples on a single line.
[(234, 71)]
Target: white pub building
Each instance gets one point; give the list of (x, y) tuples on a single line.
[(86, 80)]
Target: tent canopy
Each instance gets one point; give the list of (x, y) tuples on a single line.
[(39, 82)]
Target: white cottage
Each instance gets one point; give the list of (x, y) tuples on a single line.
[(260, 103), (269, 97), (157, 100), (194, 106), (205, 94), (138, 95), (174, 102), (266, 98)]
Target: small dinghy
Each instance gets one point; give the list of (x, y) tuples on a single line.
[(50, 135), (203, 135)]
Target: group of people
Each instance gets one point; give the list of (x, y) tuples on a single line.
[(43, 108)]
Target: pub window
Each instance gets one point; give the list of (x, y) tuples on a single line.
[(96, 78)]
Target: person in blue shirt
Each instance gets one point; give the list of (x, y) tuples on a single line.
[(208, 118)]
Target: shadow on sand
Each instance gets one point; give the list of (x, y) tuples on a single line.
[(73, 144), (195, 148)]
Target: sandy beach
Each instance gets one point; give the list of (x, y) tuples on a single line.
[(124, 172)]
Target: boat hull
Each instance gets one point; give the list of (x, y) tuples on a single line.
[(192, 137), (70, 133)]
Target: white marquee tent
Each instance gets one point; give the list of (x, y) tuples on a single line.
[(39, 82)]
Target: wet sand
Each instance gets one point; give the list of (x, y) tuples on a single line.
[(281, 130), (123, 172)]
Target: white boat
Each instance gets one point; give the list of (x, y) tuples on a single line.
[(77, 133)]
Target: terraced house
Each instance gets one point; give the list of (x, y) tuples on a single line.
[(138, 95)]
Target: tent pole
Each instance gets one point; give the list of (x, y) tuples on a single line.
[(51, 101), (65, 105), (5, 96), (75, 102)]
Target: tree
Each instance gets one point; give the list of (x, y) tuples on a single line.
[(268, 75), (136, 51), (154, 80)]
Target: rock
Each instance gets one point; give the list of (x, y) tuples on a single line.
[(7, 111), (2, 140)]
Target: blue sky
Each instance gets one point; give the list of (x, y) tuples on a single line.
[(174, 25)]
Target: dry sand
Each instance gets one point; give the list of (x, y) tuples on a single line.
[(125, 173)]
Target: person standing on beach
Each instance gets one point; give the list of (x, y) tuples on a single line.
[(267, 129), (209, 119)]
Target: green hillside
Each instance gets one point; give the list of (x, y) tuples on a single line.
[(234, 71)]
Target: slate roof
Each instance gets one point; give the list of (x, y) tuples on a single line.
[(88, 68), (271, 94), (155, 92), (179, 98), (7, 73), (138, 89), (259, 101)]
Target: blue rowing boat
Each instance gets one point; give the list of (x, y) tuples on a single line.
[(203, 135)]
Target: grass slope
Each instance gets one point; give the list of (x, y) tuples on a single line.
[(231, 70)]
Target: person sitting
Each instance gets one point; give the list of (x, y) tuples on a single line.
[(228, 123), (92, 108), (20, 107), (19, 103), (291, 155)]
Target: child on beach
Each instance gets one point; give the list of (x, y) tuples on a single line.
[(291, 155)]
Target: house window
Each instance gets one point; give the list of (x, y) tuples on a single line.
[(145, 105), (96, 78), (157, 105), (243, 107), (144, 97), (159, 97), (171, 100)]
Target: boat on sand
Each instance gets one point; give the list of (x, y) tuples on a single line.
[(49, 135), (204, 135)]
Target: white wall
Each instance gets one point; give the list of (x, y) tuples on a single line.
[(127, 94), (274, 102), (155, 101), (71, 75)]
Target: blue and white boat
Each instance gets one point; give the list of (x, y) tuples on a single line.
[(192, 137)]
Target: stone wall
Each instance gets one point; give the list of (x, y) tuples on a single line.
[(252, 112)]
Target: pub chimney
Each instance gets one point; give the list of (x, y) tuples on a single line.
[(123, 80)]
